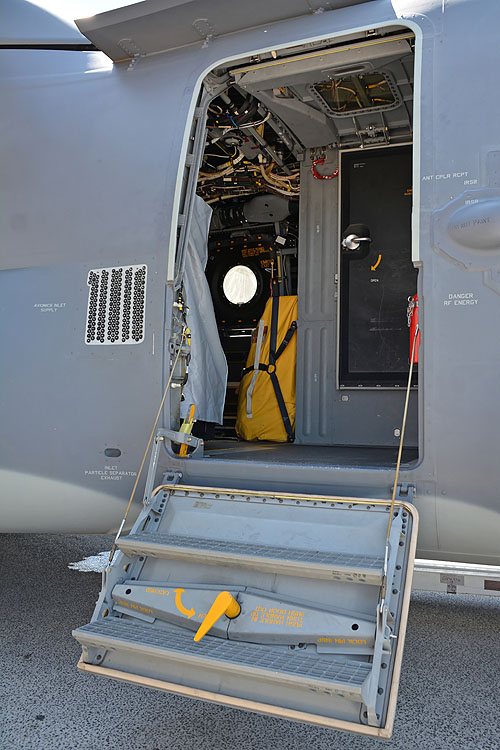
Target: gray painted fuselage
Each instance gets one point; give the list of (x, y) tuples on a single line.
[(93, 158)]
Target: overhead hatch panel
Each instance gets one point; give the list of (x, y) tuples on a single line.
[(156, 26), (289, 605)]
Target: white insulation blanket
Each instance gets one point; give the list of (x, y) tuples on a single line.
[(207, 378)]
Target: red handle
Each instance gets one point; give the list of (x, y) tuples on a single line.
[(319, 176), (412, 313)]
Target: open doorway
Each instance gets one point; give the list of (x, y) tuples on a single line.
[(308, 170)]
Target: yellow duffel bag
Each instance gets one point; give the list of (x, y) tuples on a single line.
[(266, 402)]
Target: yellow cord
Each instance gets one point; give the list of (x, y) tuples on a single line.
[(113, 548)]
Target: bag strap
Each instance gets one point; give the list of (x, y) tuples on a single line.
[(282, 406), (258, 347), (287, 339)]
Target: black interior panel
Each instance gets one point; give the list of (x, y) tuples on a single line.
[(374, 290)]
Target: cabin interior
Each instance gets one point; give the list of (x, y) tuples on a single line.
[(308, 169)]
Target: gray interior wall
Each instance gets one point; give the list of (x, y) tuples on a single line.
[(325, 414), (316, 336)]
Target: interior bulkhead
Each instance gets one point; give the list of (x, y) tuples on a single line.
[(307, 167)]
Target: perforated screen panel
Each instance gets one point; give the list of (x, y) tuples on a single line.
[(117, 305)]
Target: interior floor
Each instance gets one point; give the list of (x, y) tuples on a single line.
[(309, 455)]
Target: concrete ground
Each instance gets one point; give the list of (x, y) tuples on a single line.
[(448, 700)]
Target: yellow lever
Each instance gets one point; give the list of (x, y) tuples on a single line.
[(187, 427), (224, 604)]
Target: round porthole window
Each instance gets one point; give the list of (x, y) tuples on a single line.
[(239, 285)]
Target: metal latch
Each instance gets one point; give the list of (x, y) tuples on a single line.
[(352, 241), (405, 491)]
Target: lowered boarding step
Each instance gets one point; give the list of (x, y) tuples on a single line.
[(291, 605), (332, 675), (304, 563)]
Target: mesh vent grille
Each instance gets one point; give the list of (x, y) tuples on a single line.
[(117, 305)]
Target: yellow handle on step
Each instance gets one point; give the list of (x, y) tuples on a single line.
[(224, 604)]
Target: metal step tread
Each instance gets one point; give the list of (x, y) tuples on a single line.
[(333, 672), (172, 545)]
